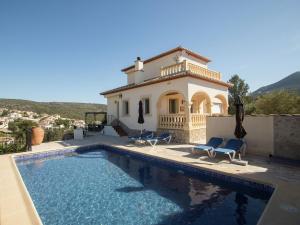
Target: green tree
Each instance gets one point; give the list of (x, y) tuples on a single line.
[(5, 112), (64, 122), (57, 134), (278, 102), (249, 104), (239, 88), (18, 128)]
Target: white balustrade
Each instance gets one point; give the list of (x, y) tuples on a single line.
[(198, 121), (172, 69), (195, 69), (178, 121), (172, 121), (203, 71)]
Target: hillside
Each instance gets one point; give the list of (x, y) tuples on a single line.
[(71, 110), (291, 82)]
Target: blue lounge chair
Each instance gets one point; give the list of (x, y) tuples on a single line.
[(164, 137), (232, 147), (214, 142), (142, 136)]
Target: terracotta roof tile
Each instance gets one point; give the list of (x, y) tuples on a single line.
[(165, 78), (179, 48)]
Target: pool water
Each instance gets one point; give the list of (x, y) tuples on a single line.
[(106, 188)]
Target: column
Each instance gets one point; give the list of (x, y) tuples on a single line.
[(209, 107), (188, 124)]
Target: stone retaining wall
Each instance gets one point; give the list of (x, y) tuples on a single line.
[(278, 135), (186, 136), (178, 136), (198, 136), (287, 136)]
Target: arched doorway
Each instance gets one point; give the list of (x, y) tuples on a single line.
[(201, 103), (220, 105), (200, 108), (171, 109)]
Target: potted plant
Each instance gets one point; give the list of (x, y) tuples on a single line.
[(37, 135)]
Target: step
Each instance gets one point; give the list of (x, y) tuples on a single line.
[(120, 131)]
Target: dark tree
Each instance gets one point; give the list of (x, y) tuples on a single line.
[(239, 88)]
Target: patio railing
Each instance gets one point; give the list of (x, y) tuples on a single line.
[(193, 68), (172, 69), (178, 121), (198, 121), (172, 121), (204, 72)]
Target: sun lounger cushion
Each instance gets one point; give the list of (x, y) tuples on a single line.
[(230, 148), (203, 147), (224, 150), (234, 144), (142, 136), (163, 137), (214, 142)]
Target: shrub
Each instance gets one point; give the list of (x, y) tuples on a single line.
[(278, 102), (57, 134)]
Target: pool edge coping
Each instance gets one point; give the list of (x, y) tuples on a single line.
[(33, 214), (127, 149), (254, 180)]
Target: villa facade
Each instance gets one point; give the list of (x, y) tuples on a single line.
[(178, 93)]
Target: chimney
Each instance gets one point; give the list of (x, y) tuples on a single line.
[(139, 65)]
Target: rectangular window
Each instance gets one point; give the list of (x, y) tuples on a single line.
[(173, 106), (217, 108), (125, 108), (146, 102)]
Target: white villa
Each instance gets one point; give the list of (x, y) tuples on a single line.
[(178, 92)]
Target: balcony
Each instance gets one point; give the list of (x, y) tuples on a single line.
[(193, 68), (179, 121), (172, 121)]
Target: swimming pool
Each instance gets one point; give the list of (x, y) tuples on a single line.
[(103, 185)]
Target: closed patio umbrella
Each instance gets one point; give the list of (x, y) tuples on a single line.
[(141, 115), (239, 117)]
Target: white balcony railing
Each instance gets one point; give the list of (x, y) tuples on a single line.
[(186, 66), (178, 121), (172, 69), (198, 121), (204, 72), (172, 121)]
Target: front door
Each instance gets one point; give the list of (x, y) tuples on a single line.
[(118, 109)]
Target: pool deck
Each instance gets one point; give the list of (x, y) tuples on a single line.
[(16, 207)]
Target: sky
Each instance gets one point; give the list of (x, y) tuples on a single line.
[(71, 50)]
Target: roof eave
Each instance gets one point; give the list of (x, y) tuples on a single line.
[(189, 52), (185, 74)]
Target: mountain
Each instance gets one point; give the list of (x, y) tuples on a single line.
[(291, 82), (71, 110)]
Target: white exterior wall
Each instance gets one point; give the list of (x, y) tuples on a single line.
[(130, 78), (186, 86), (260, 132), (194, 60), (164, 102), (211, 89), (135, 95), (112, 106), (152, 69)]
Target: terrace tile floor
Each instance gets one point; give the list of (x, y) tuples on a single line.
[(283, 207)]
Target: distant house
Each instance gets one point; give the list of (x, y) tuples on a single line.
[(178, 92), (7, 140), (4, 122), (15, 115)]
